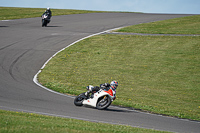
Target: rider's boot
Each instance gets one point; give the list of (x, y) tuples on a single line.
[(87, 94)]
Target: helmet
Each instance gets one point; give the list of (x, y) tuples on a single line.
[(48, 8), (114, 84)]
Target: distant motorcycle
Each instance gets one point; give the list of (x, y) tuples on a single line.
[(100, 99), (45, 19)]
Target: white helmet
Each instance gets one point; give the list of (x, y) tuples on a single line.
[(48, 8)]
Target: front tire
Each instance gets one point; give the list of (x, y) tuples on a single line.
[(78, 101), (103, 102), (44, 23)]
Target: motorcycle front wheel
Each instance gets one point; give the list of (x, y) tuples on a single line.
[(103, 102), (44, 23), (79, 99)]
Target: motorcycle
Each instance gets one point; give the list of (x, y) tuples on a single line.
[(45, 19), (100, 99)]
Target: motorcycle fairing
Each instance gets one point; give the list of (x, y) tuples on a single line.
[(97, 95)]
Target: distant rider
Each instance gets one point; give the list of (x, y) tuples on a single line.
[(48, 12), (113, 85)]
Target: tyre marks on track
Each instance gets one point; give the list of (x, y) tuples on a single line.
[(8, 45), (14, 62)]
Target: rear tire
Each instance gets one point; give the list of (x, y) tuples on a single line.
[(103, 102)]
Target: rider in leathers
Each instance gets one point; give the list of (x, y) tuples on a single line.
[(48, 12), (113, 85)]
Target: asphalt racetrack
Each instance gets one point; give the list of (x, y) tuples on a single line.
[(25, 46)]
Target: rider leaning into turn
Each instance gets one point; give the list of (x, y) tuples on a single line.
[(113, 85), (48, 12)]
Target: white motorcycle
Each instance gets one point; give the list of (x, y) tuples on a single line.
[(100, 99)]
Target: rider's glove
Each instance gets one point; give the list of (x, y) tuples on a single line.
[(107, 84), (87, 87)]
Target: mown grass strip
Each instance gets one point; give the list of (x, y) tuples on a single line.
[(185, 25), (8, 13), (157, 74), (19, 122)]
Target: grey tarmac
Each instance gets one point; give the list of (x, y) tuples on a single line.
[(25, 46)]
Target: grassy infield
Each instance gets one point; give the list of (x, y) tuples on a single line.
[(159, 74)]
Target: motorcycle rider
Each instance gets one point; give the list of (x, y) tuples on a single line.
[(48, 12), (113, 85)]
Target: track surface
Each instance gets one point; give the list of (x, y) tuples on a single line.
[(24, 48)]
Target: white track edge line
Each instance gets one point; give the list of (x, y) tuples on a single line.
[(66, 116), (36, 75), (37, 83)]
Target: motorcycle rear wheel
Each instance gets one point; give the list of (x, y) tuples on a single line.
[(103, 102)]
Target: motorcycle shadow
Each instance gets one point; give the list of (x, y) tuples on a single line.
[(120, 109), (4, 26), (54, 26), (113, 109)]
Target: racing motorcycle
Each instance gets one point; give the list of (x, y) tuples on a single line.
[(45, 19), (100, 99)]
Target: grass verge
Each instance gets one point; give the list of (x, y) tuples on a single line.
[(7, 13), (34, 123), (185, 25), (157, 74)]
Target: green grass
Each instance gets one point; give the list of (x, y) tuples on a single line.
[(185, 25), (32, 123), (7, 13), (157, 74)]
